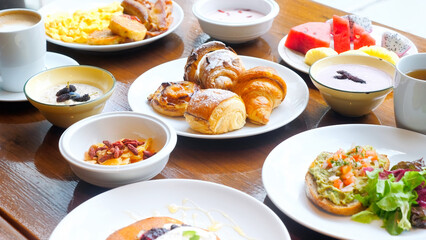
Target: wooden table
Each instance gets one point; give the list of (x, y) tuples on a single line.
[(38, 188)]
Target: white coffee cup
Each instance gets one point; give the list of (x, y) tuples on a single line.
[(22, 47), (410, 94)]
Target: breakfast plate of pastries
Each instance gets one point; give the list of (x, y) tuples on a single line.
[(212, 110), (109, 25)]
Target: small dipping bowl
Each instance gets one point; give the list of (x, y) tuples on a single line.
[(235, 31), (113, 126), (352, 103), (65, 115)]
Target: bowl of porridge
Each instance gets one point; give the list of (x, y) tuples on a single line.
[(67, 94), (353, 85), (235, 21)]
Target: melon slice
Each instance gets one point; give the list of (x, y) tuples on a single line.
[(309, 35), (341, 34), (364, 40)]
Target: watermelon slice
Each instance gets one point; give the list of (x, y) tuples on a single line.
[(365, 39), (309, 35), (356, 31), (341, 34)]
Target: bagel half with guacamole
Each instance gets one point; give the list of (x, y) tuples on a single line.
[(161, 228), (333, 179)]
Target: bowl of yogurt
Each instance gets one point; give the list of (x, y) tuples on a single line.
[(353, 85), (235, 21), (67, 94)]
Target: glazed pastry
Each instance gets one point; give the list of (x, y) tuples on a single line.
[(262, 90), (219, 69), (171, 98), (215, 111), (213, 65)]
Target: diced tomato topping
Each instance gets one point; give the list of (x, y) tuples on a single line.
[(348, 181), (337, 183), (346, 169)]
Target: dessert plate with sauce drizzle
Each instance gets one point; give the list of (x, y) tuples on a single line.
[(297, 60), (229, 211), (52, 60), (293, 105)]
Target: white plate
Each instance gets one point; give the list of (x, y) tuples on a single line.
[(284, 170), (102, 215), (292, 106), (52, 60), (297, 59), (72, 6)]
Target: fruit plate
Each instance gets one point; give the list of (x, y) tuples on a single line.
[(297, 60), (66, 6), (293, 105), (284, 170), (197, 203)]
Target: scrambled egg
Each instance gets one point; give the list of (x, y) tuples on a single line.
[(76, 27)]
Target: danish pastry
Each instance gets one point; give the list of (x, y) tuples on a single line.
[(213, 65), (215, 111), (171, 98), (262, 90)]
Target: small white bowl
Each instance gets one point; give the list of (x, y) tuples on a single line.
[(113, 126), (232, 32), (352, 103)]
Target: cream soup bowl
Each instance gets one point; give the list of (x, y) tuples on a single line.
[(65, 115), (352, 103)]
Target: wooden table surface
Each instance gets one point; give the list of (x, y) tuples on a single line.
[(38, 188)]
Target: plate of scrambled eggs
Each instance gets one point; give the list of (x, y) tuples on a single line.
[(86, 25)]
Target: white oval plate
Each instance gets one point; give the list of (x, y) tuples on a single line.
[(292, 106), (52, 60), (60, 6), (297, 59), (100, 216), (284, 170)]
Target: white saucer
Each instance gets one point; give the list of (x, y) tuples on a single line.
[(52, 60)]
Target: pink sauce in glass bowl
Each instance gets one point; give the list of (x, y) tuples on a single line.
[(234, 15)]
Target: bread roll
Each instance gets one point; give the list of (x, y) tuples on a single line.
[(215, 111), (171, 98), (262, 90)]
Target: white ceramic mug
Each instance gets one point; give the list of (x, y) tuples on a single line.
[(22, 47), (410, 94)]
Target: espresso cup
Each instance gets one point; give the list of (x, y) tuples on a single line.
[(410, 94), (22, 47)]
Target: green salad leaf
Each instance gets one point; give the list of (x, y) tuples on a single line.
[(390, 200)]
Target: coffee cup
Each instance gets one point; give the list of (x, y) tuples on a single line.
[(410, 93), (22, 47)]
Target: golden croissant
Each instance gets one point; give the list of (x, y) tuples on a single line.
[(262, 90), (213, 65)]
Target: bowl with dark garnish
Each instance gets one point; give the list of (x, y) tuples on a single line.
[(67, 94), (353, 85)]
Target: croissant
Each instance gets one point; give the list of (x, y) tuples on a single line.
[(213, 65), (215, 111), (262, 90), (171, 98)]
